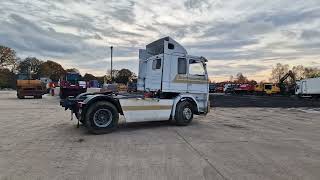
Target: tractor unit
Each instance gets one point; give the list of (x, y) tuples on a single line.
[(174, 86)]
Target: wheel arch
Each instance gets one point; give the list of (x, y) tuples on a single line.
[(91, 100), (181, 98)]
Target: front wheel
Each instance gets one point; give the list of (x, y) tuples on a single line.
[(184, 113), (102, 117)]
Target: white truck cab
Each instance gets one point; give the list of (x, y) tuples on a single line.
[(308, 87), (176, 84)]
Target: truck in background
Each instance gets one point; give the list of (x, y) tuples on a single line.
[(308, 88), (71, 85), (175, 87), (29, 87), (243, 89)]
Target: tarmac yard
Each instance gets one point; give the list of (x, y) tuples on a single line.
[(38, 141)]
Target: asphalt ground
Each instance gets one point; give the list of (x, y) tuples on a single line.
[(38, 141)]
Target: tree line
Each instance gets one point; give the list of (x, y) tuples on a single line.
[(299, 71), (11, 65), (279, 71)]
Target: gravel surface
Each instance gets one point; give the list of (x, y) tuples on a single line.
[(38, 141)]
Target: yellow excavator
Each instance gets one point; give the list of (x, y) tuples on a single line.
[(276, 88), (267, 89)]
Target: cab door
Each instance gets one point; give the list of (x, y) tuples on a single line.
[(154, 73), (178, 71)]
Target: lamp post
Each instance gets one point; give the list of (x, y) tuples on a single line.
[(111, 48)]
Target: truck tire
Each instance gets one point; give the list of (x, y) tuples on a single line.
[(37, 97), (184, 113), (20, 97), (102, 117), (62, 94)]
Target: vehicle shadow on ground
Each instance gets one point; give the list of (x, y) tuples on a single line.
[(122, 127), (127, 127), (233, 101)]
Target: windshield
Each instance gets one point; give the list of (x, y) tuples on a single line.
[(268, 86), (23, 77), (73, 77)]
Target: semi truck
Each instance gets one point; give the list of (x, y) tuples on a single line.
[(308, 88), (173, 84)]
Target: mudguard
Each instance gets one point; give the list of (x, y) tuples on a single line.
[(101, 97)]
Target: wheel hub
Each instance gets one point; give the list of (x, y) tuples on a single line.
[(102, 118), (187, 113)]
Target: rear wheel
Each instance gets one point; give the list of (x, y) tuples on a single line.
[(184, 113), (37, 97), (102, 117), (62, 94), (20, 97)]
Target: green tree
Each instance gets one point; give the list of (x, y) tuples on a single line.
[(89, 77), (123, 76), (7, 78), (30, 66), (73, 70), (52, 70), (7, 57)]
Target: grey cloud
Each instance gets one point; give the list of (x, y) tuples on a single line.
[(261, 23), (124, 13), (286, 17), (198, 4), (31, 39), (227, 70), (33, 30), (25, 35), (223, 44), (310, 34)]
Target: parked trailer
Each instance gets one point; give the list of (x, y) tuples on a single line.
[(176, 85), (308, 88)]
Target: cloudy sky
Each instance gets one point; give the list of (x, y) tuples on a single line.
[(248, 36)]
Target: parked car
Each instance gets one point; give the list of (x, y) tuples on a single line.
[(229, 88)]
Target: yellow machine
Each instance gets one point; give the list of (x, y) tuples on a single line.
[(267, 88), (30, 88)]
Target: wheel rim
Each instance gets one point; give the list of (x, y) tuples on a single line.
[(187, 113), (102, 118)]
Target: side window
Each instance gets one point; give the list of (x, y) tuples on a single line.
[(196, 68), (170, 46), (156, 64), (182, 66)]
